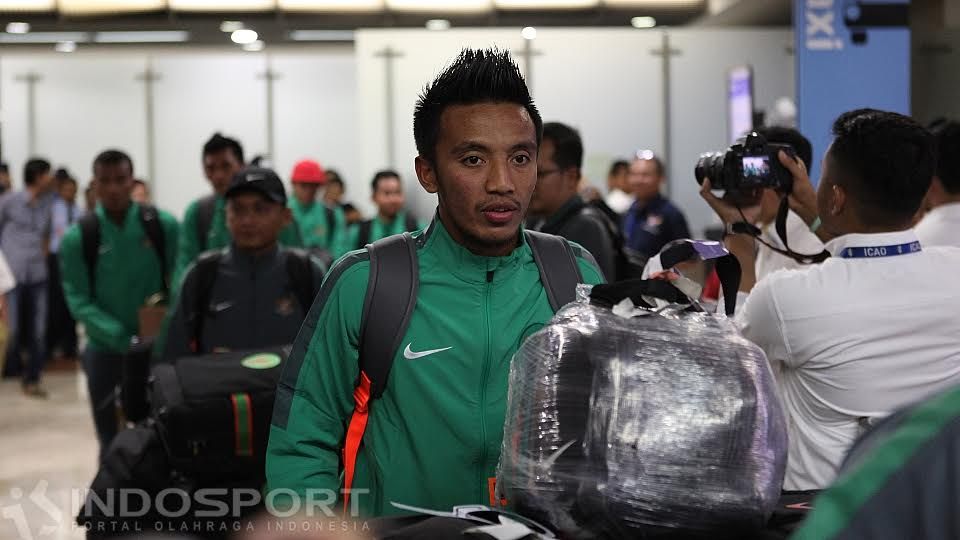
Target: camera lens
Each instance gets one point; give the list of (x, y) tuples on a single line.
[(710, 166)]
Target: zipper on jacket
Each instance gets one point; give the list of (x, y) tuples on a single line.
[(482, 468)]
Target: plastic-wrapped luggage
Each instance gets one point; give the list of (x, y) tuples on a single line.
[(656, 424)]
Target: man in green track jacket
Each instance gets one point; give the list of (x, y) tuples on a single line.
[(433, 438), (127, 270), (205, 221)]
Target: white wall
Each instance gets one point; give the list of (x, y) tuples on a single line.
[(606, 82), (89, 101)]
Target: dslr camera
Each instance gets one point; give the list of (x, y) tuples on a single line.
[(749, 164)]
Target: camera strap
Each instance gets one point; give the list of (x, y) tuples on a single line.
[(781, 228)]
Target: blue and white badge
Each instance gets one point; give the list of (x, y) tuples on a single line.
[(881, 251)]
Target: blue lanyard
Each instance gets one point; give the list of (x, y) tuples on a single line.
[(880, 251)]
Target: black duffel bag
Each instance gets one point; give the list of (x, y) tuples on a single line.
[(213, 412)]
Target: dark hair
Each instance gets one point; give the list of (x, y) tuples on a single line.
[(139, 182), (567, 146), (380, 176), (333, 177), (618, 166), (4, 168), (112, 157), (476, 76), (947, 135), (33, 169), (784, 135), (887, 161), (218, 143), (61, 175)]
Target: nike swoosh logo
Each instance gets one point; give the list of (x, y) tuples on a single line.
[(410, 355)]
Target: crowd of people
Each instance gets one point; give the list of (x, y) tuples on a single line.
[(865, 330)]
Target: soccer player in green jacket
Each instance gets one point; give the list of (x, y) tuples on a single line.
[(433, 439)]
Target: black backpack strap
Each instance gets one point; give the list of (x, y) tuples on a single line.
[(558, 267), (150, 221), (90, 241), (410, 223), (205, 209), (331, 224), (300, 272), (391, 291), (205, 270), (363, 236)]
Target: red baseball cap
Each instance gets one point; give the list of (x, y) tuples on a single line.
[(309, 172)]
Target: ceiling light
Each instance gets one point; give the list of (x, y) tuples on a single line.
[(231, 26), (256, 46), (529, 33), (643, 22), (44, 37), (441, 6), (222, 5), (655, 4), (321, 35), (438, 24), (545, 4), (166, 36), (66, 46), (18, 28), (109, 7), (353, 6), (244, 36), (27, 5)]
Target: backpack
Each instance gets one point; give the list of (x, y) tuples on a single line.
[(363, 238), (392, 288), (90, 240), (629, 263), (299, 270)]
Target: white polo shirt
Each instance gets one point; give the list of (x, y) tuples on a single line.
[(853, 339), (941, 226)]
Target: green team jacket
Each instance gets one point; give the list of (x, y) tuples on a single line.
[(127, 273), (433, 439), (315, 230), (218, 236)]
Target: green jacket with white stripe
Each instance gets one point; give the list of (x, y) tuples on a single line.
[(433, 439)]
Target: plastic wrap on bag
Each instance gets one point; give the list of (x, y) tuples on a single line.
[(663, 422)]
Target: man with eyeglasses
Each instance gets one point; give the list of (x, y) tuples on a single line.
[(652, 221), (557, 208)]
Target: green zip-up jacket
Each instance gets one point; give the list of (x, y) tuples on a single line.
[(379, 229), (218, 237), (315, 230), (433, 439), (127, 273)]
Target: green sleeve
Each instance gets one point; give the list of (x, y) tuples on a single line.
[(187, 246), (101, 327), (341, 242), (315, 393), (290, 235)]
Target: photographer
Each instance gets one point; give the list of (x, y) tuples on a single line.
[(873, 327)]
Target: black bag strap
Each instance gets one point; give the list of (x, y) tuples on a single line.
[(331, 223), (300, 273), (728, 269), (205, 274), (558, 267), (150, 220), (388, 306), (205, 209), (363, 234), (90, 241), (410, 223)]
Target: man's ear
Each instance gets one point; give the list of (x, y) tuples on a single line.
[(426, 174), (839, 201)]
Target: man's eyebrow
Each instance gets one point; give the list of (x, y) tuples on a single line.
[(467, 146), (527, 145)]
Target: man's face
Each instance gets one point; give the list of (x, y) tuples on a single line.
[(484, 174), (618, 180), (68, 192), (555, 186), (220, 168), (254, 221), (44, 181), (389, 196), (305, 193), (139, 194), (333, 193), (644, 179), (114, 185)]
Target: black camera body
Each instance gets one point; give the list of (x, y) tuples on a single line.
[(749, 164)]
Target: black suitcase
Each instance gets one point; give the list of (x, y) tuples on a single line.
[(213, 412)]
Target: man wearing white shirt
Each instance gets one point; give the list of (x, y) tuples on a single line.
[(874, 327), (941, 225)]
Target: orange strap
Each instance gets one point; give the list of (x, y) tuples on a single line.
[(358, 424)]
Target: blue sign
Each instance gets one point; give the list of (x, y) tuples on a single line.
[(850, 54)]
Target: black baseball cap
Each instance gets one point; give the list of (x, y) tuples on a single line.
[(258, 180)]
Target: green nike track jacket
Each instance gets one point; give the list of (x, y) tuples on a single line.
[(433, 439)]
